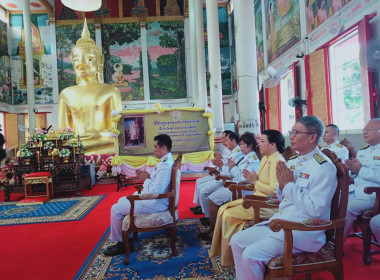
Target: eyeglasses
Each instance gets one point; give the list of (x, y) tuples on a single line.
[(368, 129), (296, 132)]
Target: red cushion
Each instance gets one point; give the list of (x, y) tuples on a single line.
[(38, 174)]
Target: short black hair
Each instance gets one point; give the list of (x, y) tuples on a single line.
[(334, 126), (227, 132), (164, 140), (234, 135)]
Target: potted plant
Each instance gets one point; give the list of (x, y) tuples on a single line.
[(49, 146), (64, 154)]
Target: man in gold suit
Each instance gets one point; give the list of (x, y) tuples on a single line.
[(87, 107)]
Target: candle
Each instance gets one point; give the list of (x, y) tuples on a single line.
[(74, 152), (56, 143), (38, 156), (16, 151)]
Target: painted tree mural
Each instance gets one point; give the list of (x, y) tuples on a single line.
[(166, 49)]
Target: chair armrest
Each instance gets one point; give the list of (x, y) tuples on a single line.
[(223, 178), (255, 197), (235, 187), (370, 190), (139, 188), (211, 170), (308, 225)]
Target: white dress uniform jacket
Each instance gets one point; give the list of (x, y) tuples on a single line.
[(369, 157), (308, 197), (340, 150)]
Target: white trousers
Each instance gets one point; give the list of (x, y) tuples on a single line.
[(199, 183), (375, 226), (354, 208), (122, 208), (252, 249), (223, 195), (204, 193)]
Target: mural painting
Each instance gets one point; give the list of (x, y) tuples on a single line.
[(283, 26), (123, 59), (42, 68), (166, 60), (171, 7), (225, 56), (66, 36), (3, 39), (233, 56), (5, 80), (259, 35), (318, 11)]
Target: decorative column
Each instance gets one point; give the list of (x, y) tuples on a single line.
[(246, 66), (201, 68), (214, 65), (29, 66), (193, 52), (186, 32), (144, 53)]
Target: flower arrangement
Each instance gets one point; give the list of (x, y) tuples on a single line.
[(39, 136), (64, 153), (159, 108), (66, 133), (25, 151), (48, 145)]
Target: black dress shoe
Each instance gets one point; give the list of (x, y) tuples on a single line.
[(205, 236), (114, 250), (198, 211), (195, 208)]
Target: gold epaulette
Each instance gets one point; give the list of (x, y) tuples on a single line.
[(364, 147), (293, 157), (319, 158), (254, 156), (339, 145)]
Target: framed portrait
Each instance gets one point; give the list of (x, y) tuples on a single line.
[(134, 132)]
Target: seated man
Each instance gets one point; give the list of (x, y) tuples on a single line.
[(307, 184), (156, 182), (365, 169), (250, 163), (200, 182), (233, 153), (232, 143), (331, 138), (375, 227)]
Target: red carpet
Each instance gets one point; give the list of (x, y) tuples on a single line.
[(58, 250)]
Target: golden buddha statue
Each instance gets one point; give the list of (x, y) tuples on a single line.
[(87, 107)]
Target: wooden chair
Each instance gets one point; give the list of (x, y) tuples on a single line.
[(351, 149), (363, 222), (288, 153), (156, 221), (330, 257)]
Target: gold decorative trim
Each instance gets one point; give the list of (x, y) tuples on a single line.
[(48, 7), (158, 8), (121, 8), (4, 10), (31, 11)]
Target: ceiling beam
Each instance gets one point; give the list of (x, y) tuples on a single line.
[(48, 7)]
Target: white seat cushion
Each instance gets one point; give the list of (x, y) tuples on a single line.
[(150, 220)]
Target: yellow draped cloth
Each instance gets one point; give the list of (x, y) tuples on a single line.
[(232, 216)]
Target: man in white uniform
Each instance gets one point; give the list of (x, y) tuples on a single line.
[(306, 186), (331, 138), (375, 227), (232, 143), (157, 182), (217, 157), (365, 170)]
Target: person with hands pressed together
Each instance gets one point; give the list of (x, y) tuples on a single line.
[(307, 184), (218, 160), (365, 170), (157, 182), (232, 216), (222, 195)]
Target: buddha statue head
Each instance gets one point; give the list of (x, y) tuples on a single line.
[(87, 59)]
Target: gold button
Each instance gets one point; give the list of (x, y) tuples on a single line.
[(285, 200), (300, 164), (281, 212)]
